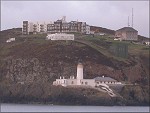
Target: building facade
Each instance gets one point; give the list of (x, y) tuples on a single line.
[(66, 27), (88, 29), (25, 29), (34, 28), (127, 33)]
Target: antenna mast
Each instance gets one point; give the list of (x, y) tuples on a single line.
[(132, 17), (128, 22)]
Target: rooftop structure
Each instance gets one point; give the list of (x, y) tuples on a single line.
[(127, 29), (105, 79)]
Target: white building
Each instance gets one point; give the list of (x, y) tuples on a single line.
[(34, 27), (147, 43), (10, 40), (43, 27), (80, 81), (60, 36), (39, 27)]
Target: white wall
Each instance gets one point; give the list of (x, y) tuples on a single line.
[(60, 36), (88, 82), (72, 82), (79, 73), (62, 82), (30, 27)]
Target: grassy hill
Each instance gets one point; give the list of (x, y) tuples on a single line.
[(31, 62)]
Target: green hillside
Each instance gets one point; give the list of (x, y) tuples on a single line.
[(37, 62)]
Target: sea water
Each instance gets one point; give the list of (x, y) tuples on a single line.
[(57, 108)]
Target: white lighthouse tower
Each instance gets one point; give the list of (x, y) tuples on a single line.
[(79, 73)]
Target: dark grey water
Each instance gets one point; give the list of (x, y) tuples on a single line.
[(54, 108)]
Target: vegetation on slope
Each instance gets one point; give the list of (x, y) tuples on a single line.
[(31, 64)]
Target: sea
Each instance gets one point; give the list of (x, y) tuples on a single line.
[(59, 108)]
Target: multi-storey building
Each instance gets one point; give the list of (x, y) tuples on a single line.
[(25, 29), (56, 27), (63, 26), (34, 28)]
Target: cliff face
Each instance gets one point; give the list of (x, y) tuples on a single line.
[(30, 62), (28, 68)]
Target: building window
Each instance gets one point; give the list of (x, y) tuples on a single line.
[(72, 82), (82, 83)]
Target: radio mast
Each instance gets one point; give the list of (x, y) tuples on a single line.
[(132, 17), (128, 22)]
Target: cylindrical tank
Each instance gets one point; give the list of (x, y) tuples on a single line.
[(79, 73)]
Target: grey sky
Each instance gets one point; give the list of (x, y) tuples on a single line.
[(108, 14)]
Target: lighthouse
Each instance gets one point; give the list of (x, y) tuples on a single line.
[(79, 73)]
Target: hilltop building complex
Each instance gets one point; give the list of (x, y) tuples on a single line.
[(59, 26), (62, 26)]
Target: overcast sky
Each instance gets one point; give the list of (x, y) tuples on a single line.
[(108, 14)]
